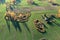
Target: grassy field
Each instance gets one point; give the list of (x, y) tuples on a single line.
[(30, 33)]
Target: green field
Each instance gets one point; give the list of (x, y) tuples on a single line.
[(30, 33)]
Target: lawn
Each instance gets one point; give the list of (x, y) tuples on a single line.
[(30, 33)]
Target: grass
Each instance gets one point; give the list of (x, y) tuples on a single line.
[(53, 32)]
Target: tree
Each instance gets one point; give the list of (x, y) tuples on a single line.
[(30, 1)]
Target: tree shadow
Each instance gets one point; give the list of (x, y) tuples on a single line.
[(26, 26), (57, 24), (55, 4), (42, 32), (50, 23), (45, 26), (49, 19), (35, 4), (52, 17), (8, 25), (16, 25)]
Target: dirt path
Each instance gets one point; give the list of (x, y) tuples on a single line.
[(36, 8)]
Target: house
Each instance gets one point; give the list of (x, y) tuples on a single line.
[(2, 1)]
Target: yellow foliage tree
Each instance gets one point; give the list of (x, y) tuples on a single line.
[(58, 15)]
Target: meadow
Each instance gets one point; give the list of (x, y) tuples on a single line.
[(28, 29)]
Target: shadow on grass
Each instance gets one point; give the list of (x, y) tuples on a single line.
[(25, 25), (8, 25), (35, 4), (16, 25), (50, 23), (42, 32), (45, 26), (58, 24)]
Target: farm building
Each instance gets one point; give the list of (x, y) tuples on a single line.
[(2, 1)]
